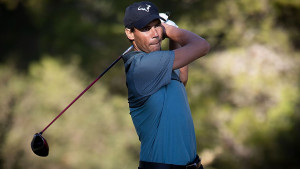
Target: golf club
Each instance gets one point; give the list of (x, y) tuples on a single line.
[(39, 144)]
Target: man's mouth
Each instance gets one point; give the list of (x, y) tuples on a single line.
[(155, 43)]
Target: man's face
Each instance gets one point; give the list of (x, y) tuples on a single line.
[(149, 38)]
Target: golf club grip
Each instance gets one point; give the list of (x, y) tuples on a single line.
[(86, 89)]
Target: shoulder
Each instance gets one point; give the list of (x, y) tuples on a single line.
[(141, 58), (161, 53), (155, 57), (131, 55), (139, 54)]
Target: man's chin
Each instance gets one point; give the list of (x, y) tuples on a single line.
[(155, 47)]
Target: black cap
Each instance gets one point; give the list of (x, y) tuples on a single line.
[(140, 14)]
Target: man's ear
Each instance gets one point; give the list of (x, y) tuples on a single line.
[(129, 34)]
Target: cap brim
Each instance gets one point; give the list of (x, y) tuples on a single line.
[(145, 21)]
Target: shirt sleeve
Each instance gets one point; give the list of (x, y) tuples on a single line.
[(152, 71)]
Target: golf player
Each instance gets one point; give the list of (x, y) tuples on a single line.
[(156, 92)]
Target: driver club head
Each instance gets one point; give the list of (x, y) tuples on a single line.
[(39, 145)]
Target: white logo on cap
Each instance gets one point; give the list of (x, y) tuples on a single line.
[(144, 9)]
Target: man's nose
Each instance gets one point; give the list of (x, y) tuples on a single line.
[(154, 32)]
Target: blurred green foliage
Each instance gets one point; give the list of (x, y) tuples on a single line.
[(248, 101), (93, 132), (244, 95)]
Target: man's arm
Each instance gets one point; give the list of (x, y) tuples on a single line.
[(184, 70), (192, 45)]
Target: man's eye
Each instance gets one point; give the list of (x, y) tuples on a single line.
[(146, 29), (158, 25)]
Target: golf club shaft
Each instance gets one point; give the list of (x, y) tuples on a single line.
[(89, 86)]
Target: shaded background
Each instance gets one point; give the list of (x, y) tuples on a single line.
[(244, 94)]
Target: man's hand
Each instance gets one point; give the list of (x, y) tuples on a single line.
[(165, 20)]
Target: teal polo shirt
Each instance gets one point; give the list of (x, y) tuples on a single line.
[(159, 108)]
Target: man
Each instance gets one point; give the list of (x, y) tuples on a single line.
[(156, 94)]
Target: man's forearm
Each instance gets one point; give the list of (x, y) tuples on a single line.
[(192, 45)]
